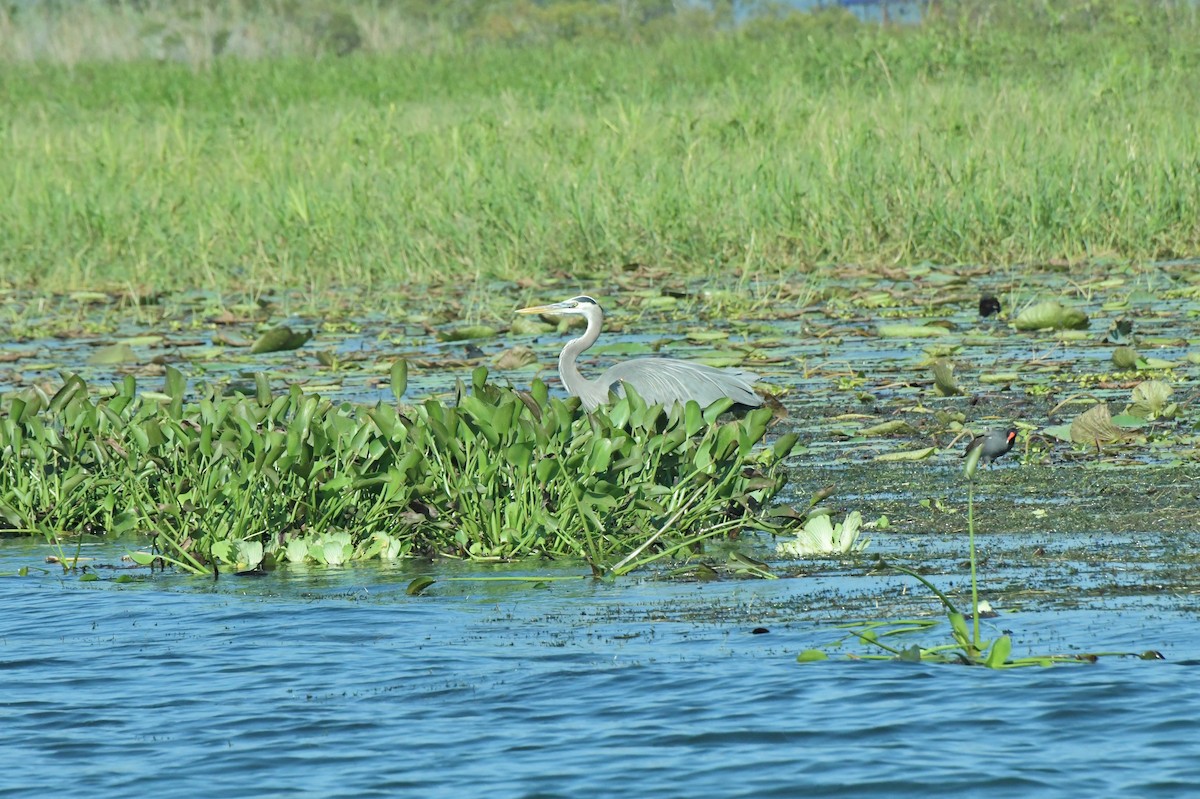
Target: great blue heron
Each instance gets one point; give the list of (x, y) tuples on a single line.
[(659, 381)]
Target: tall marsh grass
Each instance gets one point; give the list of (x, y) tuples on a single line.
[(773, 146)]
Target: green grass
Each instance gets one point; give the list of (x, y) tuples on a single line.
[(777, 147)]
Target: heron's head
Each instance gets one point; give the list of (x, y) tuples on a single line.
[(580, 306)]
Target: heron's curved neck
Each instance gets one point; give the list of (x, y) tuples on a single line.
[(568, 369)]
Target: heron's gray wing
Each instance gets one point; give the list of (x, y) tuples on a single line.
[(666, 381)]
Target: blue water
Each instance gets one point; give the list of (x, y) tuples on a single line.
[(330, 684), (902, 11)]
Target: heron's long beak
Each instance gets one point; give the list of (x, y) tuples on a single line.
[(553, 308)]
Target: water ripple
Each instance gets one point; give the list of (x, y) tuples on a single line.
[(321, 688)]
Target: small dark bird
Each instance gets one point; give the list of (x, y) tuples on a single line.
[(991, 444), (988, 305)]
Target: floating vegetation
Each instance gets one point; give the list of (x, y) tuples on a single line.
[(1151, 400), (1051, 315), (820, 536), (280, 339), (966, 647), (943, 379), (246, 482), (1125, 358), (1094, 427)]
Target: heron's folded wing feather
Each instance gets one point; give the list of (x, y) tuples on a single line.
[(666, 381)]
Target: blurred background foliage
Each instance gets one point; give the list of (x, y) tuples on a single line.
[(197, 31)]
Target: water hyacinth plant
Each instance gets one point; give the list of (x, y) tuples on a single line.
[(820, 536), (239, 483)]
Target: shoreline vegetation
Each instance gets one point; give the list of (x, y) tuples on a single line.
[(157, 147)]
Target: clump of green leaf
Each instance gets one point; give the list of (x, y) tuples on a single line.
[(820, 536), (239, 483), (1125, 358), (1152, 400), (279, 339), (1051, 315), (943, 379), (1095, 427)]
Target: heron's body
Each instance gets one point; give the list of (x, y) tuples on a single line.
[(659, 381)]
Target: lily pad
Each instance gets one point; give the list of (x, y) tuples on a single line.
[(280, 339), (418, 585), (399, 378), (1155, 363), (1050, 315), (515, 358), (227, 340), (1127, 421), (911, 331), (1125, 358), (943, 379), (530, 326), (467, 333), (722, 361), (623, 348), (1094, 427), (113, 354), (888, 428), (143, 341), (1151, 399), (1062, 432), (907, 455)]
